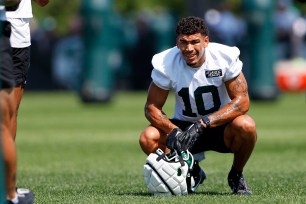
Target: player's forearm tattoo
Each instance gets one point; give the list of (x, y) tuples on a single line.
[(240, 91), (234, 106), (224, 116)]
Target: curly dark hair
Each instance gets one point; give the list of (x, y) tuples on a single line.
[(191, 25)]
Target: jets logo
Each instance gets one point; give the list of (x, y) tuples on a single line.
[(213, 73)]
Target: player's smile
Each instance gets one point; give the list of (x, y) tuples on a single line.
[(190, 58)]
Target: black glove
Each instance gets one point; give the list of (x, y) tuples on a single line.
[(172, 141), (191, 135), (182, 141)]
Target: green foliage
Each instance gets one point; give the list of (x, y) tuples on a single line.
[(177, 6), (61, 11), (64, 12), (70, 152)]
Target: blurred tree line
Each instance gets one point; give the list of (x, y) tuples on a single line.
[(62, 13)]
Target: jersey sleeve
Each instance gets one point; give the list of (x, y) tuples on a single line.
[(160, 79), (160, 73), (235, 64)]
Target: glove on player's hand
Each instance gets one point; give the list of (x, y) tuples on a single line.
[(191, 135), (182, 141), (172, 141)]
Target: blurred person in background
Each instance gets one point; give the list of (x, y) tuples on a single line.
[(67, 57), (287, 38), (44, 37), (140, 55), (7, 81), (212, 100), (224, 25)]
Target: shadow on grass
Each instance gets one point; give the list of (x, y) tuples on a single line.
[(211, 193), (147, 194)]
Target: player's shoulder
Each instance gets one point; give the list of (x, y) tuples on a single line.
[(165, 58), (220, 51), (223, 49)]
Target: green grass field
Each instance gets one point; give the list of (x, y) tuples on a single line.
[(70, 152)]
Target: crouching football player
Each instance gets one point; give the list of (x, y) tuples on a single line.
[(211, 102)]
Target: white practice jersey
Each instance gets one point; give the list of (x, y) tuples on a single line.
[(198, 91), (20, 20)]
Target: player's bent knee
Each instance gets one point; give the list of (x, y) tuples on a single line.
[(142, 139), (246, 126), (147, 135), (149, 139)]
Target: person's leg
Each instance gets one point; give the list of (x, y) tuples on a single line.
[(8, 144), (151, 139), (21, 64), (16, 96), (240, 137)]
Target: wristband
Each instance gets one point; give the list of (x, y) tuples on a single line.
[(206, 121)]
